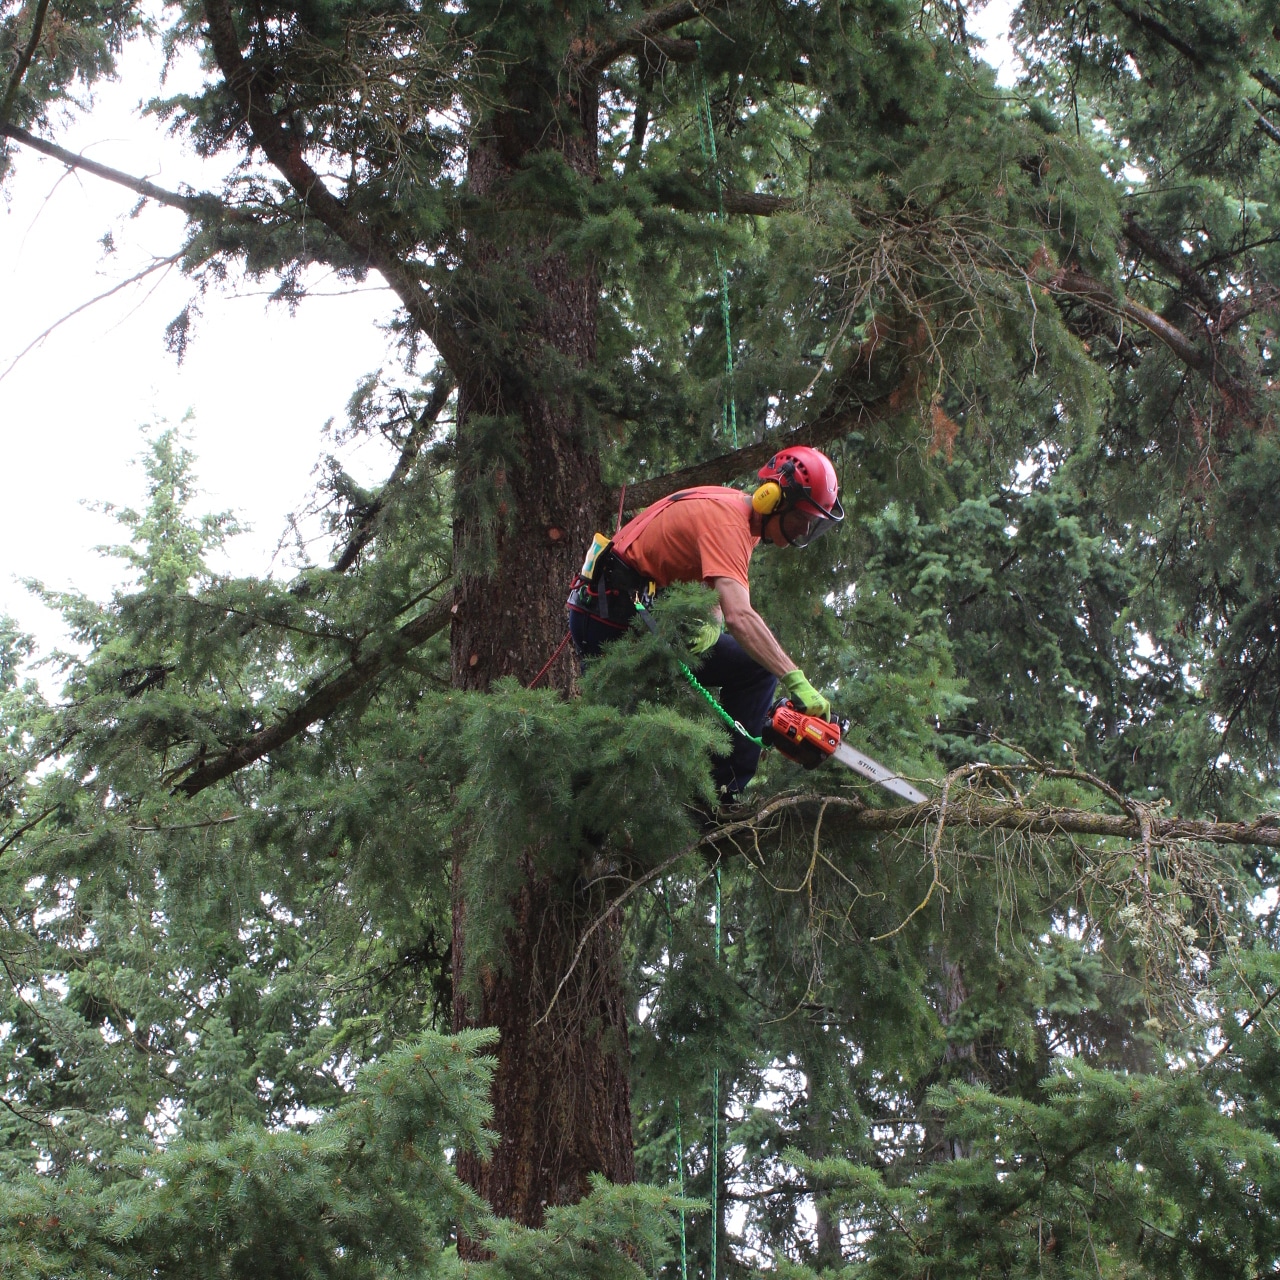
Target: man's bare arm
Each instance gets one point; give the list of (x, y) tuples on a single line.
[(748, 628)]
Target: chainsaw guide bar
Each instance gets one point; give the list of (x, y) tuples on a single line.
[(810, 741)]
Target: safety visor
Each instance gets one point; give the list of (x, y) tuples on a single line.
[(806, 521)]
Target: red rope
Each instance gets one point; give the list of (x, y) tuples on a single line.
[(550, 660), (622, 497)]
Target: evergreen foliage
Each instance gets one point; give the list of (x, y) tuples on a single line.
[(995, 1036)]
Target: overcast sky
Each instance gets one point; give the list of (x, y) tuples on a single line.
[(260, 383)]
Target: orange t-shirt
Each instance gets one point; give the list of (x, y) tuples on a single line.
[(696, 535)]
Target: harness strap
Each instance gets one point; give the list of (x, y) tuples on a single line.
[(629, 532)]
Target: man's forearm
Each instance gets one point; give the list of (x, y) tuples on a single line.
[(751, 631)]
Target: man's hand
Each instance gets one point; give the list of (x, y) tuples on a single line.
[(804, 695), (705, 636)]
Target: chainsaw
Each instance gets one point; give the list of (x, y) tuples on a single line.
[(811, 741)]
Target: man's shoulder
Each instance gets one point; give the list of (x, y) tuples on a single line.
[(720, 495)]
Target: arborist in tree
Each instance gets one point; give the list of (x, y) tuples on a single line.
[(707, 535)]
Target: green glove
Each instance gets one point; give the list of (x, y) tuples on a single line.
[(804, 695), (705, 637)]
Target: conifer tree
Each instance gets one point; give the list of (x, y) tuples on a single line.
[(282, 850)]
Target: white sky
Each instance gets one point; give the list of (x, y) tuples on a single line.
[(260, 384)]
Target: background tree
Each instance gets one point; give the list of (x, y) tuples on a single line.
[(275, 830)]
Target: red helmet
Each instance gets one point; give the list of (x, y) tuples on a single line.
[(806, 487)]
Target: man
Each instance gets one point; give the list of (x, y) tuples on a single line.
[(707, 535)]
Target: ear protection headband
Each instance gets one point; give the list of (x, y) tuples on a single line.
[(771, 497)]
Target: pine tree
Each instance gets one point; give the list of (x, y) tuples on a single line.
[(281, 849)]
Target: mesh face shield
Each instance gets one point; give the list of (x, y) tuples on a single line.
[(804, 523)]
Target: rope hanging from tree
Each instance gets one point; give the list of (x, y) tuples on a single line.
[(707, 141), (729, 426)]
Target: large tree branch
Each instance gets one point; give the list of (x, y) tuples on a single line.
[(1151, 24), (1184, 272), (824, 429), (1043, 820), (323, 702), (647, 32), (283, 149), (689, 196), (197, 204), (1075, 284), (367, 525), (1263, 122), (1266, 80), (33, 42)]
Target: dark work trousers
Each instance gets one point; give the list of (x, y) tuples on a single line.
[(746, 692)]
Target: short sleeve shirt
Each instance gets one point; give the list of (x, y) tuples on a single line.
[(694, 536)]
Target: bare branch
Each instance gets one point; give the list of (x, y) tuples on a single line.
[(198, 204), (690, 197), (25, 827), (1263, 123), (323, 702), (1043, 820), (1266, 80), (1152, 248), (191, 826), (1158, 29), (11, 94), (84, 306), (1076, 284)]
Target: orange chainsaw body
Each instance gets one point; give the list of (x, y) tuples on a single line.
[(806, 739)]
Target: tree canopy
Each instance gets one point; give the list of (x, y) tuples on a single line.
[(332, 947)]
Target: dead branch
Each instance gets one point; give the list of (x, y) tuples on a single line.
[(159, 264)]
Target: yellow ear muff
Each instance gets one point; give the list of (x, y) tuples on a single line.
[(767, 498)]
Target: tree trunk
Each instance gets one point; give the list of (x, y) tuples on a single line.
[(959, 1061), (561, 1094)]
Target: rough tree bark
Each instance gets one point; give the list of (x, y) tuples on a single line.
[(561, 1094)]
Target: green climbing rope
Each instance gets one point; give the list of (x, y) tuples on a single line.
[(684, 1251), (715, 1116), (729, 425), (736, 725), (707, 141)]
